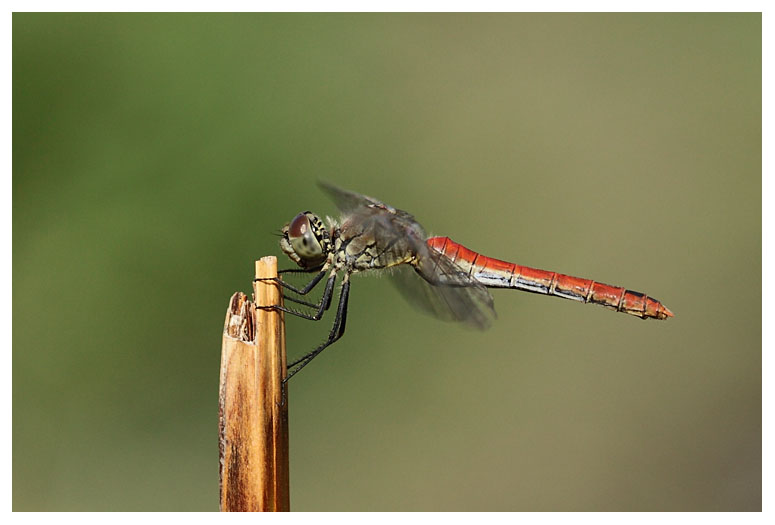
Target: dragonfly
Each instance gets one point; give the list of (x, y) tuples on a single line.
[(437, 274)]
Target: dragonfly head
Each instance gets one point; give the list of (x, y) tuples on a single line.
[(305, 240)]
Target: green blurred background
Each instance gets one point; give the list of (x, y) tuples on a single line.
[(153, 156)]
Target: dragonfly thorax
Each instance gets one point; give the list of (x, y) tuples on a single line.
[(306, 241)]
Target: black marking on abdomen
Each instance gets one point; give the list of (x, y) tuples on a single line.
[(531, 286)]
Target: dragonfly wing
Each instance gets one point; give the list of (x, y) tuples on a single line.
[(442, 289), (446, 292), (350, 202), (346, 200)]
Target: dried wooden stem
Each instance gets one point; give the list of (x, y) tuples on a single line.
[(253, 419)]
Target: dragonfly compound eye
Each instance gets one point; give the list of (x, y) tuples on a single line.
[(302, 238)]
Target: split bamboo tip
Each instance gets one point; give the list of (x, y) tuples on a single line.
[(252, 414)]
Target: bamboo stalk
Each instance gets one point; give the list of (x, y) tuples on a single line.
[(253, 417)]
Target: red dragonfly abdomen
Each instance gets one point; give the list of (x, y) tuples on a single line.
[(495, 273)]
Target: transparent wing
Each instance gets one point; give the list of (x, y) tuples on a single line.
[(431, 281), (438, 287), (346, 200), (391, 221), (349, 201)]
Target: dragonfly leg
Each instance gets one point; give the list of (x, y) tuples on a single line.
[(322, 306), (301, 291), (301, 270), (301, 301), (337, 330)]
